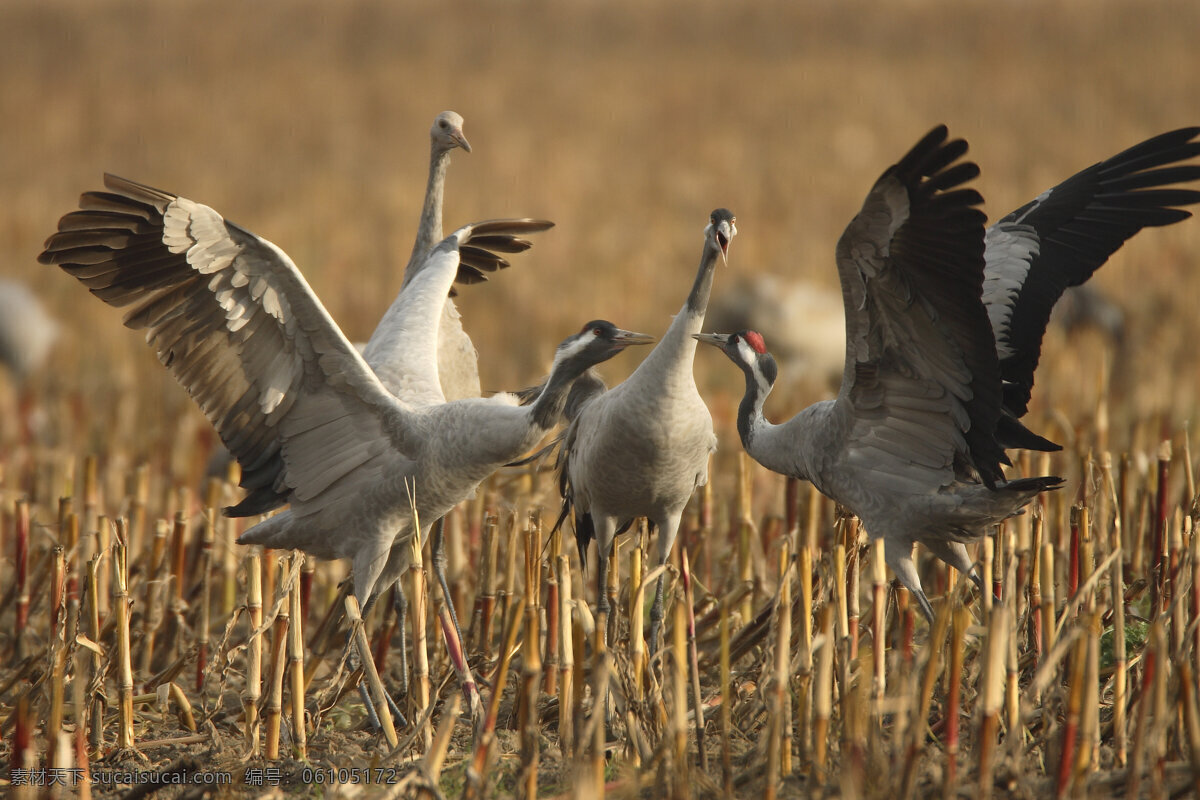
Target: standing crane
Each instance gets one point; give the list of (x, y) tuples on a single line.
[(642, 448), (944, 324), (313, 427), (439, 363)]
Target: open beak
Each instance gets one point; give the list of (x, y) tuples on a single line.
[(460, 140), (724, 237), (718, 340), (624, 338)]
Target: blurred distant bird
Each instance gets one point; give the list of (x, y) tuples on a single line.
[(944, 323), (641, 448), (27, 334), (310, 423), (27, 331), (806, 326), (802, 319)]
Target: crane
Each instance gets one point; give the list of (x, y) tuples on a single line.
[(313, 427), (944, 323), (439, 364), (641, 448)]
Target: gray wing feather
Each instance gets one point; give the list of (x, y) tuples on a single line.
[(920, 390), (235, 322)]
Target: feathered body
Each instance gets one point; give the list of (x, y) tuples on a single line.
[(944, 323), (311, 424), (641, 448)]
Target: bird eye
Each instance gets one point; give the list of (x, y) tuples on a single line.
[(442, 124), (597, 332)]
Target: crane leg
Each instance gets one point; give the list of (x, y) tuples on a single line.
[(666, 540), (354, 663), (954, 554), (437, 544), (606, 531), (400, 603), (454, 644), (656, 617), (899, 557), (602, 606)]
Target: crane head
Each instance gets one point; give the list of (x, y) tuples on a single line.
[(599, 340), (747, 349), (721, 230), (447, 132)]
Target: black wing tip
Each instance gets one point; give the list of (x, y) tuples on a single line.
[(1042, 483)]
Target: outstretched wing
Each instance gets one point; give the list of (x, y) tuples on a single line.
[(920, 392), (403, 350), (238, 326), (480, 254), (1064, 235)]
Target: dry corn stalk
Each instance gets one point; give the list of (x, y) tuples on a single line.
[(566, 659), (275, 689), (254, 605), (125, 665), (296, 664)]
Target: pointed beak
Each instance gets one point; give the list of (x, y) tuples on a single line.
[(725, 233), (717, 340), (460, 140), (624, 338)]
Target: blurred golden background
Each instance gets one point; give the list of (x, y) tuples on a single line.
[(625, 122)]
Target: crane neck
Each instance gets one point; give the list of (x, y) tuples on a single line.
[(750, 420), (780, 448), (429, 229), (677, 349), (547, 409)]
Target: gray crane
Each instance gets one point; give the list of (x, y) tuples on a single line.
[(944, 323), (311, 424), (433, 366), (641, 448), (387, 349)]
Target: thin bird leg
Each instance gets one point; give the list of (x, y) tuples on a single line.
[(954, 554), (400, 603), (666, 540), (438, 546), (899, 558), (355, 663), (656, 617), (454, 646), (602, 606)]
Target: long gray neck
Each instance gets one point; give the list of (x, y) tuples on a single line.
[(674, 353), (429, 230), (779, 448)]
